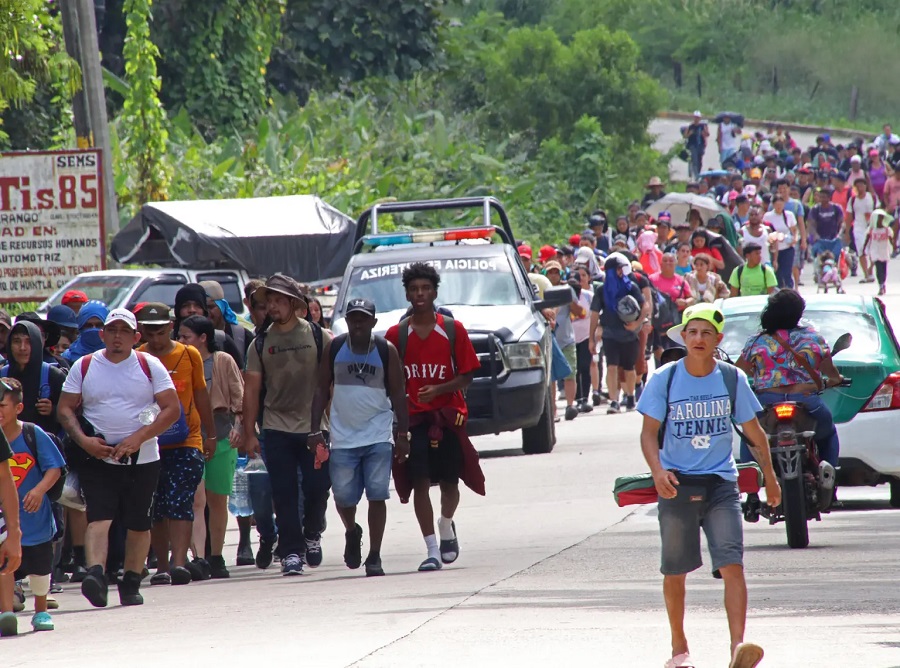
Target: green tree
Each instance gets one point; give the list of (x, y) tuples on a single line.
[(34, 68), (143, 119), (329, 42), (214, 59)]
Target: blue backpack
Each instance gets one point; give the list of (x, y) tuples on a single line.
[(44, 391)]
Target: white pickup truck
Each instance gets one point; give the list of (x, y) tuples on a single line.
[(127, 287)]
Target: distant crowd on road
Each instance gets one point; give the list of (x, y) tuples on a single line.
[(128, 435), (747, 229)]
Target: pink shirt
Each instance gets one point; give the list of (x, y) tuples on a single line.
[(891, 195), (676, 287)]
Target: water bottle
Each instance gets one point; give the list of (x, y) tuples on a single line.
[(148, 416), (239, 500)]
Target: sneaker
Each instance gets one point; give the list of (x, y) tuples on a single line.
[(613, 408), (78, 573), (245, 556), (597, 399), (95, 587), (882, 290), (751, 508), (264, 553), (59, 575), (571, 412), (18, 598), (9, 625), (56, 588), (41, 621), (629, 403), (450, 548), (130, 588), (353, 547), (314, 551), (218, 571), (199, 569), (161, 579), (373, 566), (585, 407), (292, 565), (180, 575)]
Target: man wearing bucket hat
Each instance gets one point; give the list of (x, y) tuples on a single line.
[(284, 360), (689, 409), (655, 191)]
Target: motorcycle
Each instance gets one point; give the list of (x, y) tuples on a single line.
[(807, 483)]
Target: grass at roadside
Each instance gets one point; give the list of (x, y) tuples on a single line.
[(787, 106)]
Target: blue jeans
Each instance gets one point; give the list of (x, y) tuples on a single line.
[(299, 490), (834, 245), (826, 434), (785, 268), (261, 500), (355, 470)]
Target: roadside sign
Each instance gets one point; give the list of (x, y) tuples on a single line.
[(51, 221)]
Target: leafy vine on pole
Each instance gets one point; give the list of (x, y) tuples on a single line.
[(143, 121)]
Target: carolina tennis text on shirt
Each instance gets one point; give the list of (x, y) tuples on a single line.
[(703, 415)]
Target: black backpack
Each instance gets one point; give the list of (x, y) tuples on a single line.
[(30, 438), (665, 311), (381, 345)]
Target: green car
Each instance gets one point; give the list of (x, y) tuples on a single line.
[(867, 414)]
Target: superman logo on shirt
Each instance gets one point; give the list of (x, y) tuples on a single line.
[(21, 465)]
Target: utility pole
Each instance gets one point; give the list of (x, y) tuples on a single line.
[(88, 49), (83, 134)]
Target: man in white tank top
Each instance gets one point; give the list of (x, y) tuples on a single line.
[(369, 389), (756, 232)]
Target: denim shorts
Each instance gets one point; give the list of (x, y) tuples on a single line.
[(712, 503), (364, 468)]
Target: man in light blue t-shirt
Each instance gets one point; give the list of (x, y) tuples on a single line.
[(696, 476)]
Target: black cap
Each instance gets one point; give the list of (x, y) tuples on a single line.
[(360, 306)]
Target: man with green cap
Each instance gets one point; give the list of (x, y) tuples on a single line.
[(689, 407)]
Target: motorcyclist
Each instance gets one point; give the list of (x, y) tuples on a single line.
[(790, 362)]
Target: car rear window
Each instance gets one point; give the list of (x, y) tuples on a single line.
[(111, 290), (161, 291), (829, 323), (472, 281)]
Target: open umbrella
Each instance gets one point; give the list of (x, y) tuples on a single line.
[(681, 204), (737, 119)]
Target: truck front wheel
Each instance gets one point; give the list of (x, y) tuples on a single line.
[(541, 438)]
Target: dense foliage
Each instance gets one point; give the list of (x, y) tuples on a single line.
[(37, 78), (794, 59)]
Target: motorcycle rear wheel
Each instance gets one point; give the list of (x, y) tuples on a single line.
[(793, 504)]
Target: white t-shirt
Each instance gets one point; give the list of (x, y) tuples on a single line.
[(729, 140), (582, 326), (762, 240), (786, 223), (115, 394), (861, 207)]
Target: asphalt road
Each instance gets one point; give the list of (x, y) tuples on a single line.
[(551, 573), (667, 133)]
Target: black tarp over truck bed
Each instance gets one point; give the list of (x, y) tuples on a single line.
[(299, 235)]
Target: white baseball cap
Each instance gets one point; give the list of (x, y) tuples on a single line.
[(697, 114), (122, 315)]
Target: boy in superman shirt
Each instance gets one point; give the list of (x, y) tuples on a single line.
[(33, 479)]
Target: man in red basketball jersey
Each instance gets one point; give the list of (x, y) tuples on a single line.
[(439, 362)]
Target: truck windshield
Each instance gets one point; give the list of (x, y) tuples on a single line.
[(484, 281), (112, 290)]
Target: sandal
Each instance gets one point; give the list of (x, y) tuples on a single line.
[(680, 661), (430, 564), (746, 655)]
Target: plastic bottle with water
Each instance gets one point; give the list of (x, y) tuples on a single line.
[(239, 500)]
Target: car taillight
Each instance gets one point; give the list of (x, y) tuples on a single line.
[(785, 411), (887, 396)]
